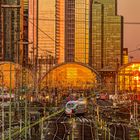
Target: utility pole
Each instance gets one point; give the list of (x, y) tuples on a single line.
[(1, 78)]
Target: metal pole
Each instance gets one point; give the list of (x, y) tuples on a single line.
[(10, 109), (42, 135), (26, 118), (72, 134), (2, 107), (20, 127)]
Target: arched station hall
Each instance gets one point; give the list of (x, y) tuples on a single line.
[(70, 76), (129, 78), (12, 75)]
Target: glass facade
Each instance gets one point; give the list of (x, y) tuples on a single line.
[(46, 25), (82, 31), (16, 75), (70, 75), (97, 37), (129, 78), (125, 55), (69, 30), (60, 31), (32, 28), (112, 41), (11, 30), (107, 35)]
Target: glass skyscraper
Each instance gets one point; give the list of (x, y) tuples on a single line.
[(107, 35), (60, 30), (72, 30), (11, 30), (77, 30), (82, 31), (107, 41)]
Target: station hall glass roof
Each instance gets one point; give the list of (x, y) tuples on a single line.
[(70, 75), (9, 70), (129, 77)]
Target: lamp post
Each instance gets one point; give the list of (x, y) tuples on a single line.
[(2, 85)]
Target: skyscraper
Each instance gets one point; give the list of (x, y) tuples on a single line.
[(60, 30), (107, 35), (72, 30), (107, 41), (78, 30), (42, 26), (11, 30)]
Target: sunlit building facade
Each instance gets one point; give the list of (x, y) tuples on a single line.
[(11, 76), (60, 31), (107, 35), (72, 75), (32, 29), (107, 41), (129, 78), (42, 27), (125, 55), (72, 31), (82, 31)]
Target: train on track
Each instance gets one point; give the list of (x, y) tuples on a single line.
[(76, 107)]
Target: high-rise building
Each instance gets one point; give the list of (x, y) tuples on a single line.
[(82, 31), (32, 29), (60, 30), (107, 41), (107, 35), (11, 30), (72, 30), (42, 27)]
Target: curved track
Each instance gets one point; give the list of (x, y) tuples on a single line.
[(118, 132), (61, 128), (87, 130)]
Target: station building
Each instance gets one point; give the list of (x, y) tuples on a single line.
[(14, 76), (129, 77)]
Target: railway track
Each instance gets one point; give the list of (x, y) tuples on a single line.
[(86, 131), (61, 128), (118, 132)]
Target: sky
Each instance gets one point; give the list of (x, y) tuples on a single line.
[(130, 10)]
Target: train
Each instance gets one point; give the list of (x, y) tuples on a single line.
[(76, 107)]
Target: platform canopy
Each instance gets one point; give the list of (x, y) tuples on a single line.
[(129, 77), (12, 76), (70, 75)]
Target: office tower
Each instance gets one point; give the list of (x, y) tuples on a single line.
[(107, 35), (32, 30), (42, 27), (72, 30), (60, 30), (11, 31), (82, 31), (107, 41)]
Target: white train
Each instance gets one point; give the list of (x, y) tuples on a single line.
[(76, 107)]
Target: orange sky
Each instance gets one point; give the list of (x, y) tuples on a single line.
[(130, 9)]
